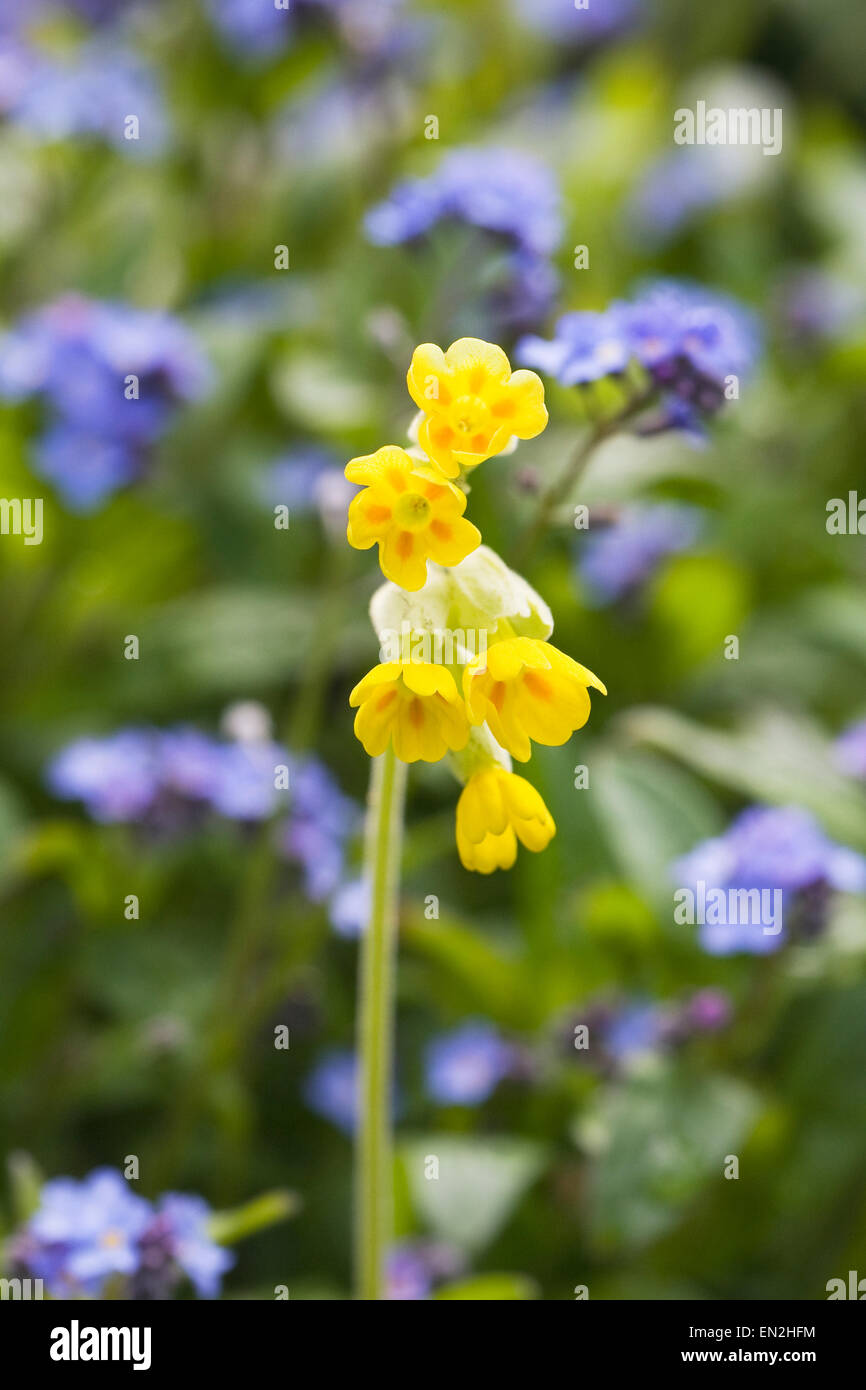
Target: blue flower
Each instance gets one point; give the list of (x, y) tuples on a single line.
[(689, 341), (254, 27), (414, 1267), (775, 850), (92, 93), (851, 749), (137, 774), (688, 338), (499, 190), (349, 908), (564, 22), (616, 560), (111, 377), (466, 1066), (185, 1222), (117, 777), (86, 1231), (585, 347), (331, 1089)]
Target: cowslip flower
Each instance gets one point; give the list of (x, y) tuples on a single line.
[(472, 403), (527, 690), (417, 704), (411, 511), (496, 809)]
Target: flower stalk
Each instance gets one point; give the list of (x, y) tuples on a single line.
[(374, 1149)]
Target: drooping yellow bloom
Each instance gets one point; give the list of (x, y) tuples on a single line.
[(526, 689), (495, 810), (412, 511), (473, 403), (415, 703)]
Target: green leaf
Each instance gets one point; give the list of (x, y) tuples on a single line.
[(652, 812), (490, 1288), (655, 1140), (479, 1184), (226, 1227), (774, 757)]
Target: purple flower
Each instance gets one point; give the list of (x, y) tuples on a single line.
[(83, 1232), (246, 785), (322, 818), (499, 190), (331, 1089), (137, 774), (111, 377), (116, 777), (183, 1222), (564, 22), (256, 28), (616, 560), (585, 346), (688, 340), (415, 1266), (851, 749), (94, 93), (349, 908), (466, 1066), (767, 878)]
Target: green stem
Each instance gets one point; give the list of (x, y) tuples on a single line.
[(373, 1154), (574, 470)]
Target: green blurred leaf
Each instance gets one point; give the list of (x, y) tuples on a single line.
[(480, 1182), (490, 1288)]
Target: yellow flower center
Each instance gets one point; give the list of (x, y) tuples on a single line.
[(469, 415), (412, 511)]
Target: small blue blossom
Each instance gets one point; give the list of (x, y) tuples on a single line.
[(111, 377), (689, 340), (349, 908), (90, 94), (117, 777), (184, 1220), (565, 22), (416, 1266), (86, 1231), (586, 346), (256, 28), (466, 1066), (499, 190), (331, 1089), (509, 197), (137, 774), (616, 560), (779, 850)]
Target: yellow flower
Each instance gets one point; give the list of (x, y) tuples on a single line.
[(415, 703), (495, 810), (525, 689), (472, 402), (412, 511)]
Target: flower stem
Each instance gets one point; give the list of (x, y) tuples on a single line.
[(574, 469), (373, 1154)]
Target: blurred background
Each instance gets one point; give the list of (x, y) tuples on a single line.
[(224, 228)]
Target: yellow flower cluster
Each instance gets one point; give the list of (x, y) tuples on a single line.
[(518, 689), (472, 405)]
